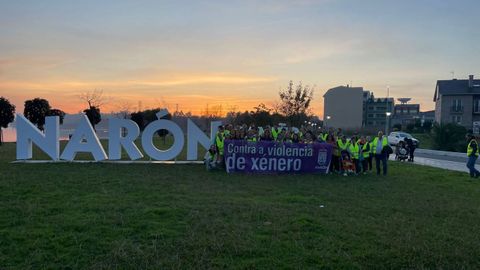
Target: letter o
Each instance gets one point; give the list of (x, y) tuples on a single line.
[(154, 152)]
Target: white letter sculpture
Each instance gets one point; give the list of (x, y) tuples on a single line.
[(195, 136), (27, 134), (149, 132), (117, 141), (84, 139)]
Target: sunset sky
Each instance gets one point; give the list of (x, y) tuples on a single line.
[(233, 53)]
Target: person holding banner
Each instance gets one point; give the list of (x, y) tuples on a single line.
[(252, 134), (267, 135)]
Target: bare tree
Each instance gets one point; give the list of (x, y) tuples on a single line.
[(124, 109), (94, 98)]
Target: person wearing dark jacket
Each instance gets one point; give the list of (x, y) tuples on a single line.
[(410, 148)]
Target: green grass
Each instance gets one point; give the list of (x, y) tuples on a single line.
[(105, 216), (426, 140)]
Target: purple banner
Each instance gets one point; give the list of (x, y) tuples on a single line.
[(275, 157)]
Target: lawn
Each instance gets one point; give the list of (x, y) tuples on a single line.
[(105, 216), (426, 140)]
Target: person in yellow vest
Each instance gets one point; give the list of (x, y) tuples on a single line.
[(274, 130), (365, 153), (219, 143), (252, 135), (342, 144), (372, 152), (472, 154), (354, 150), (323, 135), (380, 144)]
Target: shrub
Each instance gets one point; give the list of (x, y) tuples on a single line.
[(449, 137)]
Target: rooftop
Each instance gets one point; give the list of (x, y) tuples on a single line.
[(456, 87)]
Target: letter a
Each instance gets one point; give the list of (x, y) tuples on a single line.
[(84, 139)]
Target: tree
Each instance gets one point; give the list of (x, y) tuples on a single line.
[(93, 115), (261, 116), (397, 127), (139, 118), (144, 118), (57, 112), (427, 126), (7, 115), (163, 132), (295, 102), (35, 111), (449, 137), (94, 98), (409, 128), (124, 109)]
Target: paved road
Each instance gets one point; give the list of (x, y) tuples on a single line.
[(439, 159), (442, 157)]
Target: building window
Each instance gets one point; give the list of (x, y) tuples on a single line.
[(457, 119), (370, 115), (457, 105), (476, 106)]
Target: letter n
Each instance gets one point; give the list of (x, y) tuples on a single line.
[(195, 136), (28, 134)]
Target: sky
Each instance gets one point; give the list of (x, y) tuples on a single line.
[(234, 54)]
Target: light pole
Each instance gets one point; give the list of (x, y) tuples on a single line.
[(328, 119), (387, 123)]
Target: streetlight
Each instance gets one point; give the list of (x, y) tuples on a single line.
[(387, 123), (328, 119)]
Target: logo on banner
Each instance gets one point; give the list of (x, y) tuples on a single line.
[(322, 157)]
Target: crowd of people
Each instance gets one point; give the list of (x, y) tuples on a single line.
[(350, 155)]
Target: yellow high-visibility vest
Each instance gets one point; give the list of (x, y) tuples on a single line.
[(354, 150), (341, 145), (470, 148)]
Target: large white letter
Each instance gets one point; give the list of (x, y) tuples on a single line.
[(116, 141), (84, 139), (27, 134), (155, 153), (196, 135)]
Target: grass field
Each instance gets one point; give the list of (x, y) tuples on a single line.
[(426, 140), (105, 216)]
